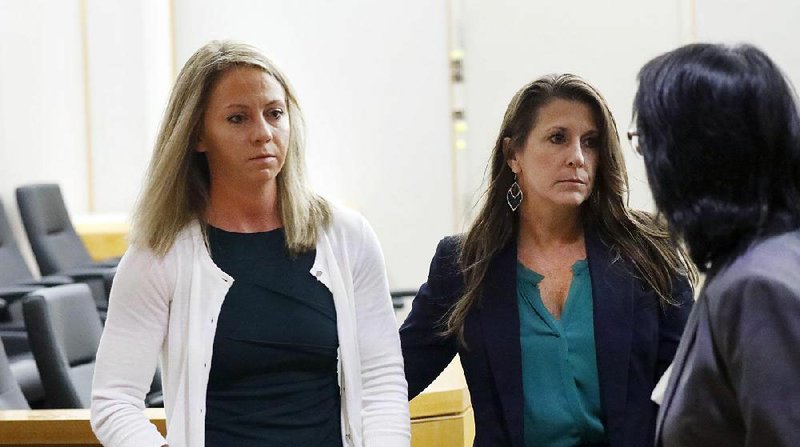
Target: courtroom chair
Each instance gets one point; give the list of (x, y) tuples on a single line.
[(64, 330), (57, 247), (24, 368), (21, 363), (16, 281), (13, 268), (12, 324), (25, 375), (399, 296), (11, 396)]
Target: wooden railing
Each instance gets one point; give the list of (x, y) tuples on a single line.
[(53, 428)]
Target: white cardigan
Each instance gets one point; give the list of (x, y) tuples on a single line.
[(170, 304)]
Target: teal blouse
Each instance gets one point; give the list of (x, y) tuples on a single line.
[(559, 364)]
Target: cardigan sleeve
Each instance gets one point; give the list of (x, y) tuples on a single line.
[(127, 357), (756, 328), (425, 351), (385, 414)]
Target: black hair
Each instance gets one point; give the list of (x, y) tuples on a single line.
[(720, 134)]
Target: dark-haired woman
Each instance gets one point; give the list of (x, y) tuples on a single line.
[(564, 306), (719, 130)]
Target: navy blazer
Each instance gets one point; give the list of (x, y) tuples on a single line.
[(635, 340)]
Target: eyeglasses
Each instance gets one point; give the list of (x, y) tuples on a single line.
[(633, 138)]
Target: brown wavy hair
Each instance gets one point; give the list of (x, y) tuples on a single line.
[(636, 236)]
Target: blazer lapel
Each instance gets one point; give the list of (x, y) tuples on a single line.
[(679, 362), (500, 324), (612, 295)]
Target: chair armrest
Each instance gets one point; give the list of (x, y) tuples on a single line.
[(154, 400), (48, 281), (11, 294), (15, 342), (110, 262), (94, 276), (84, 273), (399, 294)]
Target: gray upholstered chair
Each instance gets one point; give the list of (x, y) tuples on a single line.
[(55, 243), (57, 247), (11, 397), (399, 296), (13, 268), (64, 332), (16, 281)]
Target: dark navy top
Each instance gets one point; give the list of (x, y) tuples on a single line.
[(273, 378)]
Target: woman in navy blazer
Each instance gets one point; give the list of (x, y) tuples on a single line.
[(556, 200)]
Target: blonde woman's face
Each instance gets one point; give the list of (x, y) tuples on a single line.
[(245, 129), (557, 164)]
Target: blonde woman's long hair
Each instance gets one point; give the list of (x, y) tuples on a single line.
[(636, 236), (176, 188)]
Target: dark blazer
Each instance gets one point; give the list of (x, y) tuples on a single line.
[(736, 379), (635, 341)]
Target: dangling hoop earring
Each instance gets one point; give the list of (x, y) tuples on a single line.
[(514, 195)]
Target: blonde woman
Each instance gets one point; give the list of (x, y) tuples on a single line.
[(269, 306)]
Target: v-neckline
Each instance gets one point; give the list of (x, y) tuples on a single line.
[(579, 267)]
